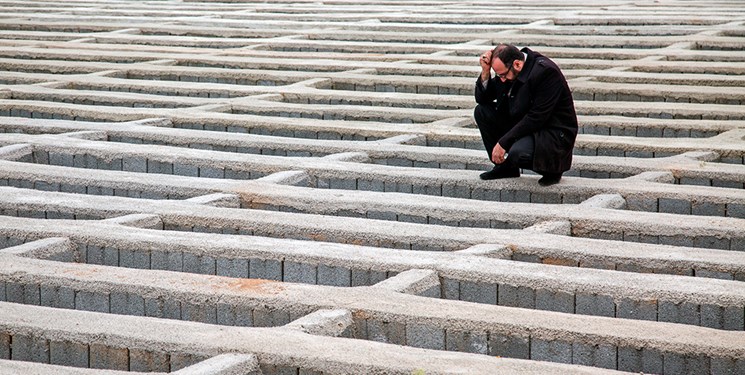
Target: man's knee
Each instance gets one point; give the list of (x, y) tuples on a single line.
[(521, 152), (484, 115)]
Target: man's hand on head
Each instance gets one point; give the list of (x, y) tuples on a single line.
[(485, 62)]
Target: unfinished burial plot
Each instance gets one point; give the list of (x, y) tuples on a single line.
[(291, 187)]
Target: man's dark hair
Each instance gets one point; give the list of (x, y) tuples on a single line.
[(507, 53)]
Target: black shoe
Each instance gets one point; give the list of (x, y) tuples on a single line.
[(500, 171), (549, 179)]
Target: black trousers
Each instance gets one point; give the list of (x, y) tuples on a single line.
[(492, 126)]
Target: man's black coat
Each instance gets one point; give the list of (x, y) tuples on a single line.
[(540, 103)]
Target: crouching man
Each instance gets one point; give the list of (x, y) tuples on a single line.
[(525, 114)]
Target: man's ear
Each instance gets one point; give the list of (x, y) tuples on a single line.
[(519, 64)]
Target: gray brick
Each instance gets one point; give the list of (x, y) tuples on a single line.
[(520, 296), (711, 242), (31, 294), (629, 359), (265, 269), (199, 312), (478, 292), (223, 266), (243, 316), (333, 275), (674, 363), (135, 305), (509, 346), (134, 164), (685, 312), (641, 203), (147, 361), (721, 317), (126, 258), (21, 348), (90, 301), (171, 309), (424, 336), (643, 310), (451, 289), (714, 274), (389, 332), (154, 307), (141, 260), (207, 265), (708, 208), (300, 272), (640, 360), (554, 301), (158, 260), (728, 366), (464, 341), (211, 172), (175, 261), (66, 298), (412, 219), (736, 210), (263, 317), (118, 301), (553, 351), (68, 353), (33, 348), (4, 346), (94, 254), (185, 170), (192, 263), (676, 206), (104, 357), (45, 186), (225, 314), (239, 268), (111, 257), (676, 240), (594, 355)]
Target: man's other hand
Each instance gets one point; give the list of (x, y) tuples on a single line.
[(497, 154)]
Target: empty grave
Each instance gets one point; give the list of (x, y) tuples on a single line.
[(296, 183)]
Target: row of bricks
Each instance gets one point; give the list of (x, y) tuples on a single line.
[(353, 135), (634, 131), (336, 276), (142, 165), (340, 83), (159, 307), (146, 165), (424, 335), (647, 131), (161, 90), (607, 233), (624, 358), (591, 95), (80, 189), (619, 151), (331, 115), (402, 162), (20, 347), (715, 316), (326, 275), (396, 216), (616, 234), (111, 102)]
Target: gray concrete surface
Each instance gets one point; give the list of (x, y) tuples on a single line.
[(274, 187)]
